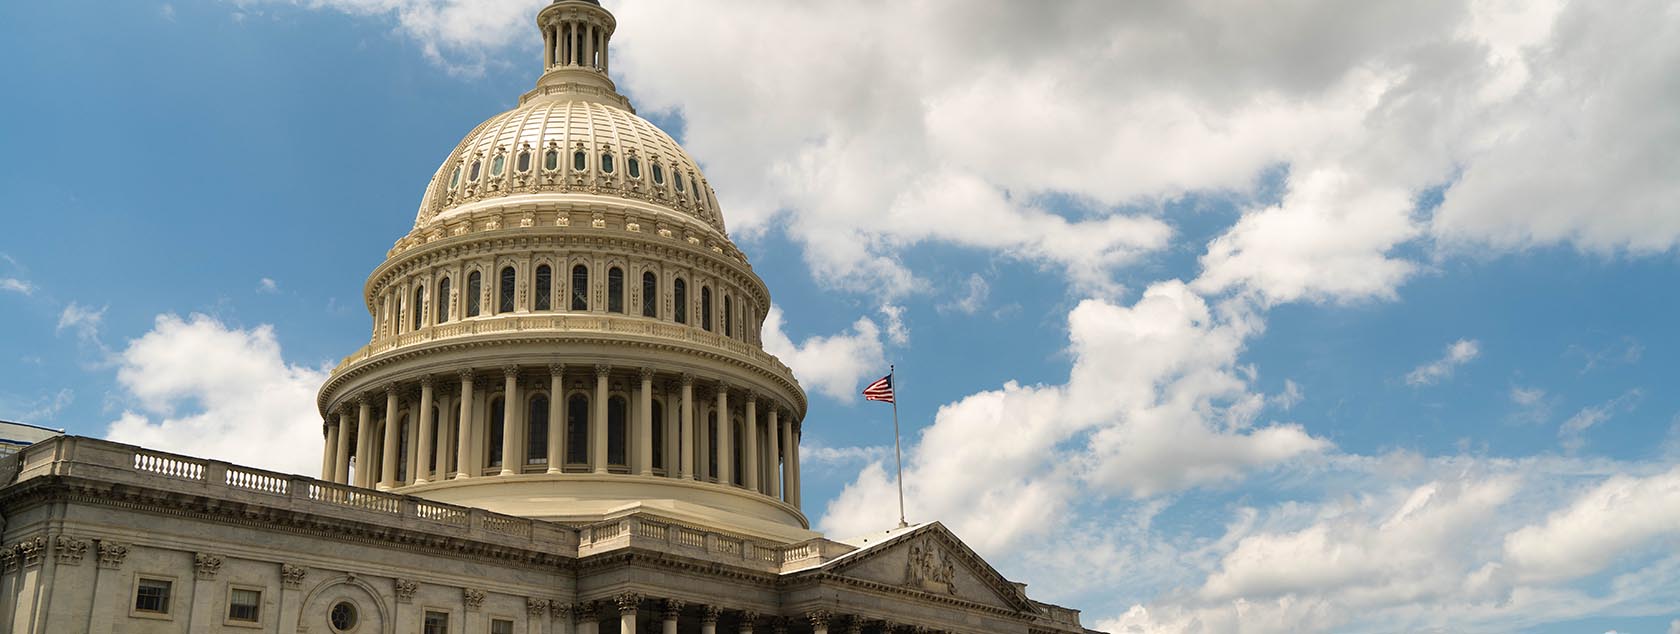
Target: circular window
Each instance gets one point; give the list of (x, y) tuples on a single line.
[(342, 618)]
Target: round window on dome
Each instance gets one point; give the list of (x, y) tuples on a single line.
[(658, 174), (606, 162), (551, 160), (497, 166), (472, 172), (580, 161), (633, 166), (342, 617), (523, 163)]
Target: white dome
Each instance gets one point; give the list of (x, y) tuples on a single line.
[(536, 149)]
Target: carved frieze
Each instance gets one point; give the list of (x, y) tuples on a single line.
[(930, 568), (473, 599), (70, 550), (536, 607), (405, 590), (292, 575), (32, 550), (206, 565)]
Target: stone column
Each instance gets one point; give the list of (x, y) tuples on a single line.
[(819, 622), (673, 608), (548, 47), (388, 456), (685, 455), (418, 467), (751, 451), (793, 457), (673, 432), (787, 459), (644, 425), (775, 451), (441, 441), (329, 450), (364, 442), (588, 622), (598, 424), (510, 420), (627, 604), (726, 429), (556, 417), (463, 428), (341, 468), (709, 618), (703, 444)]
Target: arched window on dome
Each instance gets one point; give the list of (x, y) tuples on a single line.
[(544, 291), (617, 432), (523, 162), (472, 172), (475, 289), (615, 290), (509, 278), (580, 161), (580, 287), (676, 178), (728, 316), (706, 308), (693, 192), (455, 177), (498, 166), (443, 301), (650, 295), (680, 291), (577, 431), (633, 167), (493, 434), (658, 174), (536, 430), (551, 159), (419, 306), (606, 163), (658, 436)]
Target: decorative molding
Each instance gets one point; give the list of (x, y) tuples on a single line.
[(628, 602), (819, 618), (930, 568), (671, 609), (560, 609), (112, 554), (536, 607), (472, 598), (206, 565), (70, 550), (585, 611), (32, 551), (406, 590), (709, 614), (292, 576), (9, 559)]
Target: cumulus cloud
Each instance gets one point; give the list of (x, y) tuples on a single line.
[(1458, 353), (832, 365), (203, 388), (1615, 518)]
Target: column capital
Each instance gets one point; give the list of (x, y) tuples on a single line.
[(585, 611), (749, 396), (427, 381), (391, 389), (364, 400), (536, 607), (601, 370), (647, 374), (709, 614), (465, 375), (557, 368), (723, 387), (628, 602), (510, 371), (819, 618), (559, 609), (749, 619), (671, 608), (687, 379)]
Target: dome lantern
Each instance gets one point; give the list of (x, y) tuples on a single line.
[(576, 37)]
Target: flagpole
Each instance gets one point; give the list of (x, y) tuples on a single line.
[(898, 452)]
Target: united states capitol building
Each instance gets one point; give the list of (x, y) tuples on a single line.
[(564, 422)]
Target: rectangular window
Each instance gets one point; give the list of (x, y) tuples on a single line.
[(501, 626), (152, 596), (244, 605), (436, 623)]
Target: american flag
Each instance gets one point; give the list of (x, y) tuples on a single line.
[(880, 390)]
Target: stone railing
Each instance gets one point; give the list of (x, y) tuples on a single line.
[(75, 456), (538, 323)]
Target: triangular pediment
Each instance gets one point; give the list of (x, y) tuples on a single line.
[(932, 560)]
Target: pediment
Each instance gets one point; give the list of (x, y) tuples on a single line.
[(931, 559)]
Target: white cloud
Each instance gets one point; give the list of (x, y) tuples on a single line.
[(1292, 395), (897, 332), (1615, 518), (1572, 432), (85, 323), (16, 285), (973, 299), (1457, 354), (268, 285), (203, 388), (832, 365), (1674, 626)]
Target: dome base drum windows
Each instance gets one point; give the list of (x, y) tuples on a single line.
[(509, 278), (475, 286), (493, 448), (680, 290), (536, 431), (650, 295), (615, 290), (580, 287), (544, 291), (443, 301), (577, 430)]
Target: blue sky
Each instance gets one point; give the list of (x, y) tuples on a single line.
[(1391, 313)]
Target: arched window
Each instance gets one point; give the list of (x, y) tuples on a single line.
[(493, 441), (606, 163), (536, 431), (523, 164), (577, 429), (475, 288), (650, 295), (728, 316), (706, 308), (443, 301), (680, 290), (615, 290), (455, 177), (551, 160), (616, 431), (580, 161), (580, 287), (658, 438), (633, 167), (711, 444), (498, 165), (676, 177), (658, 174), (545, 289), (419, 307), (472, 172), (508, 279)]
